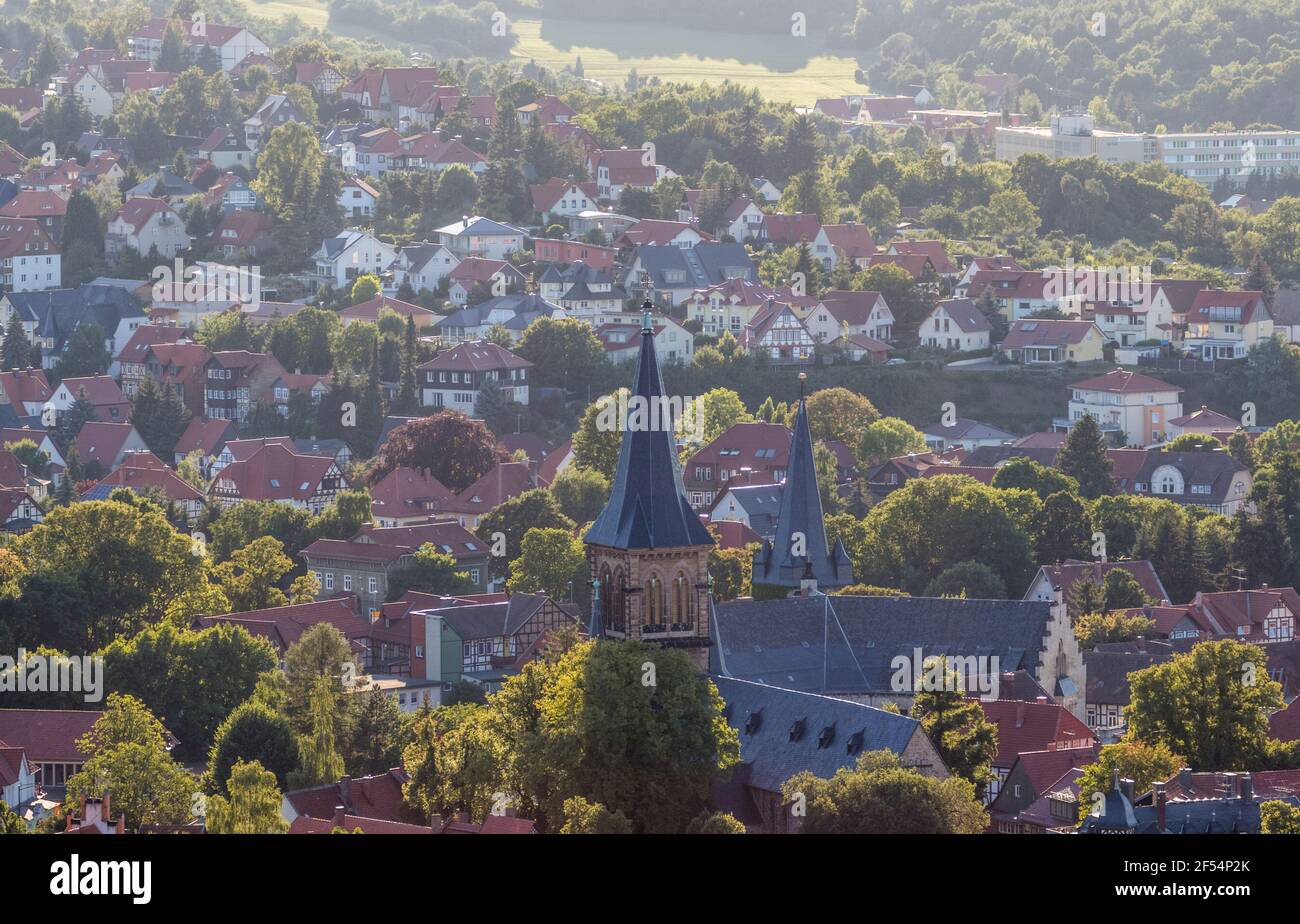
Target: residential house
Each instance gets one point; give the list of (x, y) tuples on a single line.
[(236, 381), (514, 312), (560, 198), (565, 250), (406, 496), (1127, 404), (25, 390), (146, 225), (545, 110), (422, 266), (852, 242), (755, 452), (1040, 341), (801, 228), (622, 339), (482, 642), (498, 485), (838, 313), (964, 433), (1203, 422), (351, 253), (1226, 325), (45, 206), (206, 436), (276, 110), (232, 192), (454, 378), (371, 310), (228, 45), (655, 232), (742, 221), (740, 500), (478, 276), (956, 324), (29, 258), (1065, 576), (475, 236), (19, 510), (934, 251), (323, 78), (100, 391), (108, 443), (180, 366), (51, 316), (1033, 775), (1213, 480), (245, 232), (730, 305), (277, 473), (1029, 727), (671, 275), (357, 198), (225, 148), (143, 471), (49, 738), (779, 333), (625, 168), (584, 292)]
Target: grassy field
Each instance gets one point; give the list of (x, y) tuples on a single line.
[(781, 67), (312, 12), (784, 68)]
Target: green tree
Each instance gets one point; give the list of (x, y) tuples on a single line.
[(888, 438), (318, 754), (564, 353), (596, 445), (160, 417), (1063, 531), (251, 576), (451, 447), (1024, 472), (253, 806), (1278, 817), (581, 493), (1142, 763), (837, 414), (16, 350), (1083, 457), (535, 509), (965, 739), (583, 817), (550, 562), (881, 796), (252, 733), (430, 571), (1210, 705), (454, 762), (970, 579)]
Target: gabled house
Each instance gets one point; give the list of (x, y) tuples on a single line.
[(351, 253), (479, 275), (730, 305), (560, 198), (236, 380), (49, 737), (746, 501), (475, 236), (207, 436), (29, 258), (406, 496), (180, 366), (671, 275), (1041, 341), (101, 391), (143, 471), (276, 110), (1033, 775), (108, 443), (779, 333), (146, 225), (625, 168), (956, 324), (755, 452), (840, 312), (852, 242), (357, 198), (964, 433), (226, 45), (244, 232), (655, 232), (371, 309), (1130, 405), (225, 148), (423, 266), (25, 390), (1028, 727), (1214, 480), (276, 473), (454, 378), (47, 207), (784, 231), (1226, 325)]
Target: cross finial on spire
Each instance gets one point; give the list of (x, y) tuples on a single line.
[(646, 326)]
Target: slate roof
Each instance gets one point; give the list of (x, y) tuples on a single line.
[(766, 718), (705, 264), (490, 620), (761, 502), (965, 428), (845, 644), (59, 312), (647, 505), (1107, 672), (966, 315), (801, 516)]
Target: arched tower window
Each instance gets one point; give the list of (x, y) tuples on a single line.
[(606, 595), (654, 612), (682, 599), (618, 614)]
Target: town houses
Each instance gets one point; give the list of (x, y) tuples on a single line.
[(441, 440)]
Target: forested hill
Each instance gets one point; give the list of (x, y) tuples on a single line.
[(1150, 62)]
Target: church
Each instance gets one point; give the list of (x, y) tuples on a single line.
[(649, 557)]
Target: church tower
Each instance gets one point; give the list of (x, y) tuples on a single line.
[(799, 559), (649, 552)]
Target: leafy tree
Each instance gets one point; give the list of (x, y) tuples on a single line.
[(731, 571), (1083, 457), (253, 733), (10, 821), (127, 757), (429, 571), (599, 730), (719, 408), (581, 493), (1193, 442), (715, 823), (1210, 705), (251, 576), (888, 438), (320, 760), (583, 817), (451, 447), (838, 414), (320, 652), (1063, 531), (247, 521), (364, 288), (1278, 817), (253, 806), (549, 560), (1091, 629), (970, 579), (1024, 472), (454, 762), (376, 734), (160, 417), (130, 561), (1142, 763), (880, 796), (595, 444), (965, 739), (535, 509), (930, 524), (564, 353)]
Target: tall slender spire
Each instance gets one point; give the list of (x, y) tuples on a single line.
[(647, 505), (800, 545)]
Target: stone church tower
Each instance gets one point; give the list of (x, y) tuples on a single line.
[(648, 550)]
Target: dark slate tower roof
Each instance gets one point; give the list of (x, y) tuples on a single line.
[(801, 512), (647, 506)]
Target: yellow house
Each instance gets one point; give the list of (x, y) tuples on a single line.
[(1226, 325), (1034, 341)]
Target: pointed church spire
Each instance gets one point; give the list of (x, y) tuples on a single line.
[(647, 506), (800, 545)]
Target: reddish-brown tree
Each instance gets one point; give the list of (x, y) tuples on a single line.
[(451, 447)]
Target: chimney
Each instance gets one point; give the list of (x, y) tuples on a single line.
[(1162, 800), (1245, 786), (1006, 683), (1041, 700), (1185, 779), (345, 791), (340, 816), (1126, 787)]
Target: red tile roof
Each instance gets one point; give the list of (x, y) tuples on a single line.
[(1071, 571), (137, 211), (1124, 381), (851, 241), (656, 232), (476, 356), (145, 336), (504, 481), (472, 270), (47, 734), (1249, 305), (791, 229), (369, 310), (275, 472), (547, 194), (102, 441), (35, 203), (23, 236), (25, 386), (406, 492), (141, 470), (99, 390), (935, 250), (1044, 768), (1034, 726), (206, 434), (852, 307), (378, 796), (290, 622), (1046, 332)]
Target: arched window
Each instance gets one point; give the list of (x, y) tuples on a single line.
[(654, 611), (681, 599), (606, 596), (618, 617)]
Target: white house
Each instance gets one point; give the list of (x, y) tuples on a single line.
[(29, 258), (840, 312), (454, 378), (423, 266), (345, 256), (144, 223), (357, 198), (956, 324), (476, 236), (1137, 406)]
